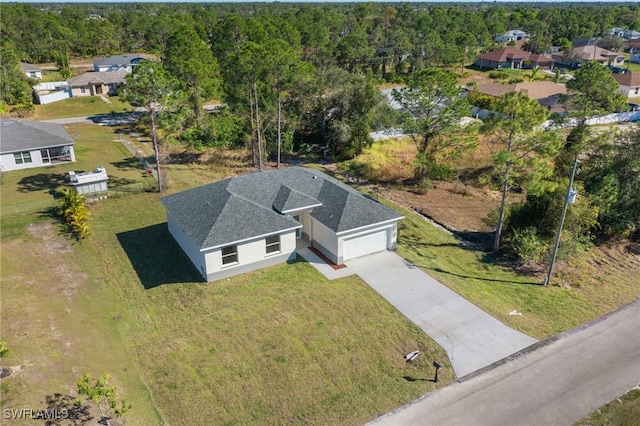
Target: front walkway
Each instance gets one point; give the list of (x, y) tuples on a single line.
[(471, 337)]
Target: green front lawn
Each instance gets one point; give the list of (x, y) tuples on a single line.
[(80, 107), (279, 345)]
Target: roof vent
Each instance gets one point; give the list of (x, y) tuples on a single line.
[(315, 177)]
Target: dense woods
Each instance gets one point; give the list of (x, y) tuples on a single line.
[(298, 76)]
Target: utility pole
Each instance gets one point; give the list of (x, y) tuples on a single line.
[(568, 199)]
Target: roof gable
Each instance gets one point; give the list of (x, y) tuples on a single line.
[(24, 135), (288, 200)]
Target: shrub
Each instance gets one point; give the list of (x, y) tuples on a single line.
[(514, 80), (528, 246), (423, 186), (4, 348), (498, 75)]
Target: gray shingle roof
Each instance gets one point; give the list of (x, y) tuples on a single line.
[(24, 67), (24, 135), (247, 206), (118, 60), (107, 77)]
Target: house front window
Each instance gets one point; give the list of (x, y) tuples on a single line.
[(637, 90), (229, 255), (83, 90), (22, 157), (273, 244)]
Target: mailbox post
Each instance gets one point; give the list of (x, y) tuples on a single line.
[(438, 367)]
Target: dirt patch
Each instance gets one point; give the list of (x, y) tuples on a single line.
[(6, 372)]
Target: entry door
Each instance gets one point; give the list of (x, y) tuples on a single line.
[(299, 230)]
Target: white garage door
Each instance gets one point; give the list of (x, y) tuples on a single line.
[(365, 244)]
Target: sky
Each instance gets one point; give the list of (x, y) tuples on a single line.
[(317, 1)]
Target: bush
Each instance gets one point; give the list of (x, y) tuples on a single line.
[(514, 80), (528, 246), (423, 186), (498, 75), (4, 348)]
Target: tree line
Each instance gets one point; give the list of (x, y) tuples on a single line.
[(298, 76)]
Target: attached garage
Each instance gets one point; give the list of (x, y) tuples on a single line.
[(361, 245)]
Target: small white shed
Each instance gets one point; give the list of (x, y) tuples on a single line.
[(90, 182)]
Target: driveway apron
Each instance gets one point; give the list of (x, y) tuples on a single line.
[(471, 337)]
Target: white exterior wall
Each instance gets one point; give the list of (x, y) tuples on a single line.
[(252, 255), (53, 97), (187, 246), (630, 91), (8, 162), (325, 240)]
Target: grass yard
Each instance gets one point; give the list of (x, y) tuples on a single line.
[(28, 189), (80, 107), (498, 290), (280, 345)]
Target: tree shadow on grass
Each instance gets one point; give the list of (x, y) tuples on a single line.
[(64, 410), (47, 182), (156, 257), (130, 163)]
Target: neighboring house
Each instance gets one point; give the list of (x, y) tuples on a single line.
[(97, 83), (622, 33), (629, 84), (588, 53), (90, 182), (117, 63), (31, 71), (547, 93), (512, 36), (27, 144), (255, 220), (634, 57), (510, 58)]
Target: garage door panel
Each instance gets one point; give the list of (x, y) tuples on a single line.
[(364, 244)]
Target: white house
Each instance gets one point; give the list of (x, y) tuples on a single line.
[(629, 84), (31, 71), (117, 63), (256, 220), (511, 36), (26, 144), (97, 83)]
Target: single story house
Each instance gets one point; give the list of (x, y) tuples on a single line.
[(117, 63), (547, 93), (634, 57), (588, 53), (511, 36), (511, 58), (256, 220), (27, 144), (31, 71), (97, 83), (624, 33), (629, 84)]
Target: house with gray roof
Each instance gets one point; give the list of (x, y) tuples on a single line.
[(26, 144), (256, 220), (97, 83), (117, 63), (31, 71)]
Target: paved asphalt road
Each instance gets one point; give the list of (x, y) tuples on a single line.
[(555, 382)]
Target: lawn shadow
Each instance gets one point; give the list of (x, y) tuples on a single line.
[(67, 409), (156, 257), (47, 182), (481, 278), (130, 163), (415, 379)]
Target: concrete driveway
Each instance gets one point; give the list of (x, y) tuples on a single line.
[(471, 337)]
